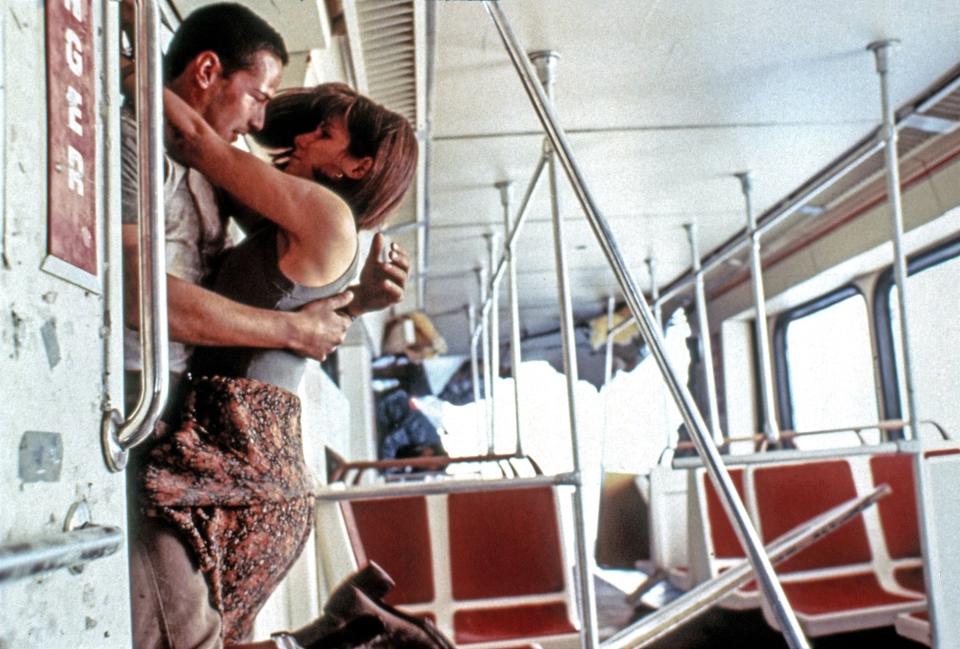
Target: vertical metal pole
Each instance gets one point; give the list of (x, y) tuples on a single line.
[(770, 427), (515, 360), (882, 50), (654, 290), (706, 348), (607, 374), (494, 333), (482, 275), (545, 62), (737, 513), (474, 364), (118, 434), (608, 352)]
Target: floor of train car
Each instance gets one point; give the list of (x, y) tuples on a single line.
[(722, 629)]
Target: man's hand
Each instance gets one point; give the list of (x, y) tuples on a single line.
[(382, 283), (321, 326)]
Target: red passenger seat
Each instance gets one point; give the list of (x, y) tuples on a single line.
[(721, 546), (833, 585), (724, 539), (487, 566), (395, 532), (789, 494)]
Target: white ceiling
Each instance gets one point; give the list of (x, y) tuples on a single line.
[(671, 99)]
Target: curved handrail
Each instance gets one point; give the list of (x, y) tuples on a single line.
[(881, 426), (437, 463), (119, 435)]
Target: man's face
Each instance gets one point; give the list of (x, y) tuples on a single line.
[(237, 102)]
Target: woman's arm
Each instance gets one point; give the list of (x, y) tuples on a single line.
[(312, 215), (200, 317)]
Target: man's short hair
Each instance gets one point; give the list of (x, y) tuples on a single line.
[(228, 29)]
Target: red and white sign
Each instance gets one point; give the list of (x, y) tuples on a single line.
[(71, 136)]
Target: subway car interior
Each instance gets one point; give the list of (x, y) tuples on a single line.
[(719, 241)]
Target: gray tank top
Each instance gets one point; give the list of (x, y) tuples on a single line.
[(250, 274)]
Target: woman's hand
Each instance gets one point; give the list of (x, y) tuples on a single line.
[(382, 283)]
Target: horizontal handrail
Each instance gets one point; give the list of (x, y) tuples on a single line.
[(777, 214), (448, 486), (882, 426), (436, 463), (63, 550), (493, 282)]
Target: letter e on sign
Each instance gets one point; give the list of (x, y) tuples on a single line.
[(71, 134)]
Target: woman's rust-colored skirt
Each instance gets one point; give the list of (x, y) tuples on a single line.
[(233, 482)]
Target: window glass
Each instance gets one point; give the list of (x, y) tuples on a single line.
[(830, 366), (933, 316)]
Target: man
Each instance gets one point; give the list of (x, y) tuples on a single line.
[(226, 63)]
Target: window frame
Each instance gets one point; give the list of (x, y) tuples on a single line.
[(939, 253), (782, 323)]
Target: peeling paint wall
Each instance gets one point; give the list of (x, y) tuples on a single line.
[(56, 348)]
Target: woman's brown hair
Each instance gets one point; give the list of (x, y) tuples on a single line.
[(374, 131)]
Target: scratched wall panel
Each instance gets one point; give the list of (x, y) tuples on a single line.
[(54, 350)]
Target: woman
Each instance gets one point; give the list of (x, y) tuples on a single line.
[(232, 479)]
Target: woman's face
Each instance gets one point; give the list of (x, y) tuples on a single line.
[(323, 151)]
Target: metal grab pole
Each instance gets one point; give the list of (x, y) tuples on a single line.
[(778, 215), (482, 275), (545, 62), (505, 190), (521, 217), (881, 50), (493, 295), (698, 430), (706, 347), (654, 290), (474, 365), (64, 550), (607, 371), (117, 435), (608, 352), (770, 427)]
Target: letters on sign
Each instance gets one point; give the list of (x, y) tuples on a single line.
[(71, 134)]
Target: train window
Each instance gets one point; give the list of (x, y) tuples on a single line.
[(933, 313), (823, 350)]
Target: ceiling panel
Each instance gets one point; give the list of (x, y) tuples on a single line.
[(663, 102)]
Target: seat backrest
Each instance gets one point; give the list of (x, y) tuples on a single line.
[(488, 566), (504, 543), (898, 511), (395, 532), (724, 540), (790, 494)]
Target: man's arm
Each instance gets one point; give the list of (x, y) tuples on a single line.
[(201, 317), (382, 282)]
